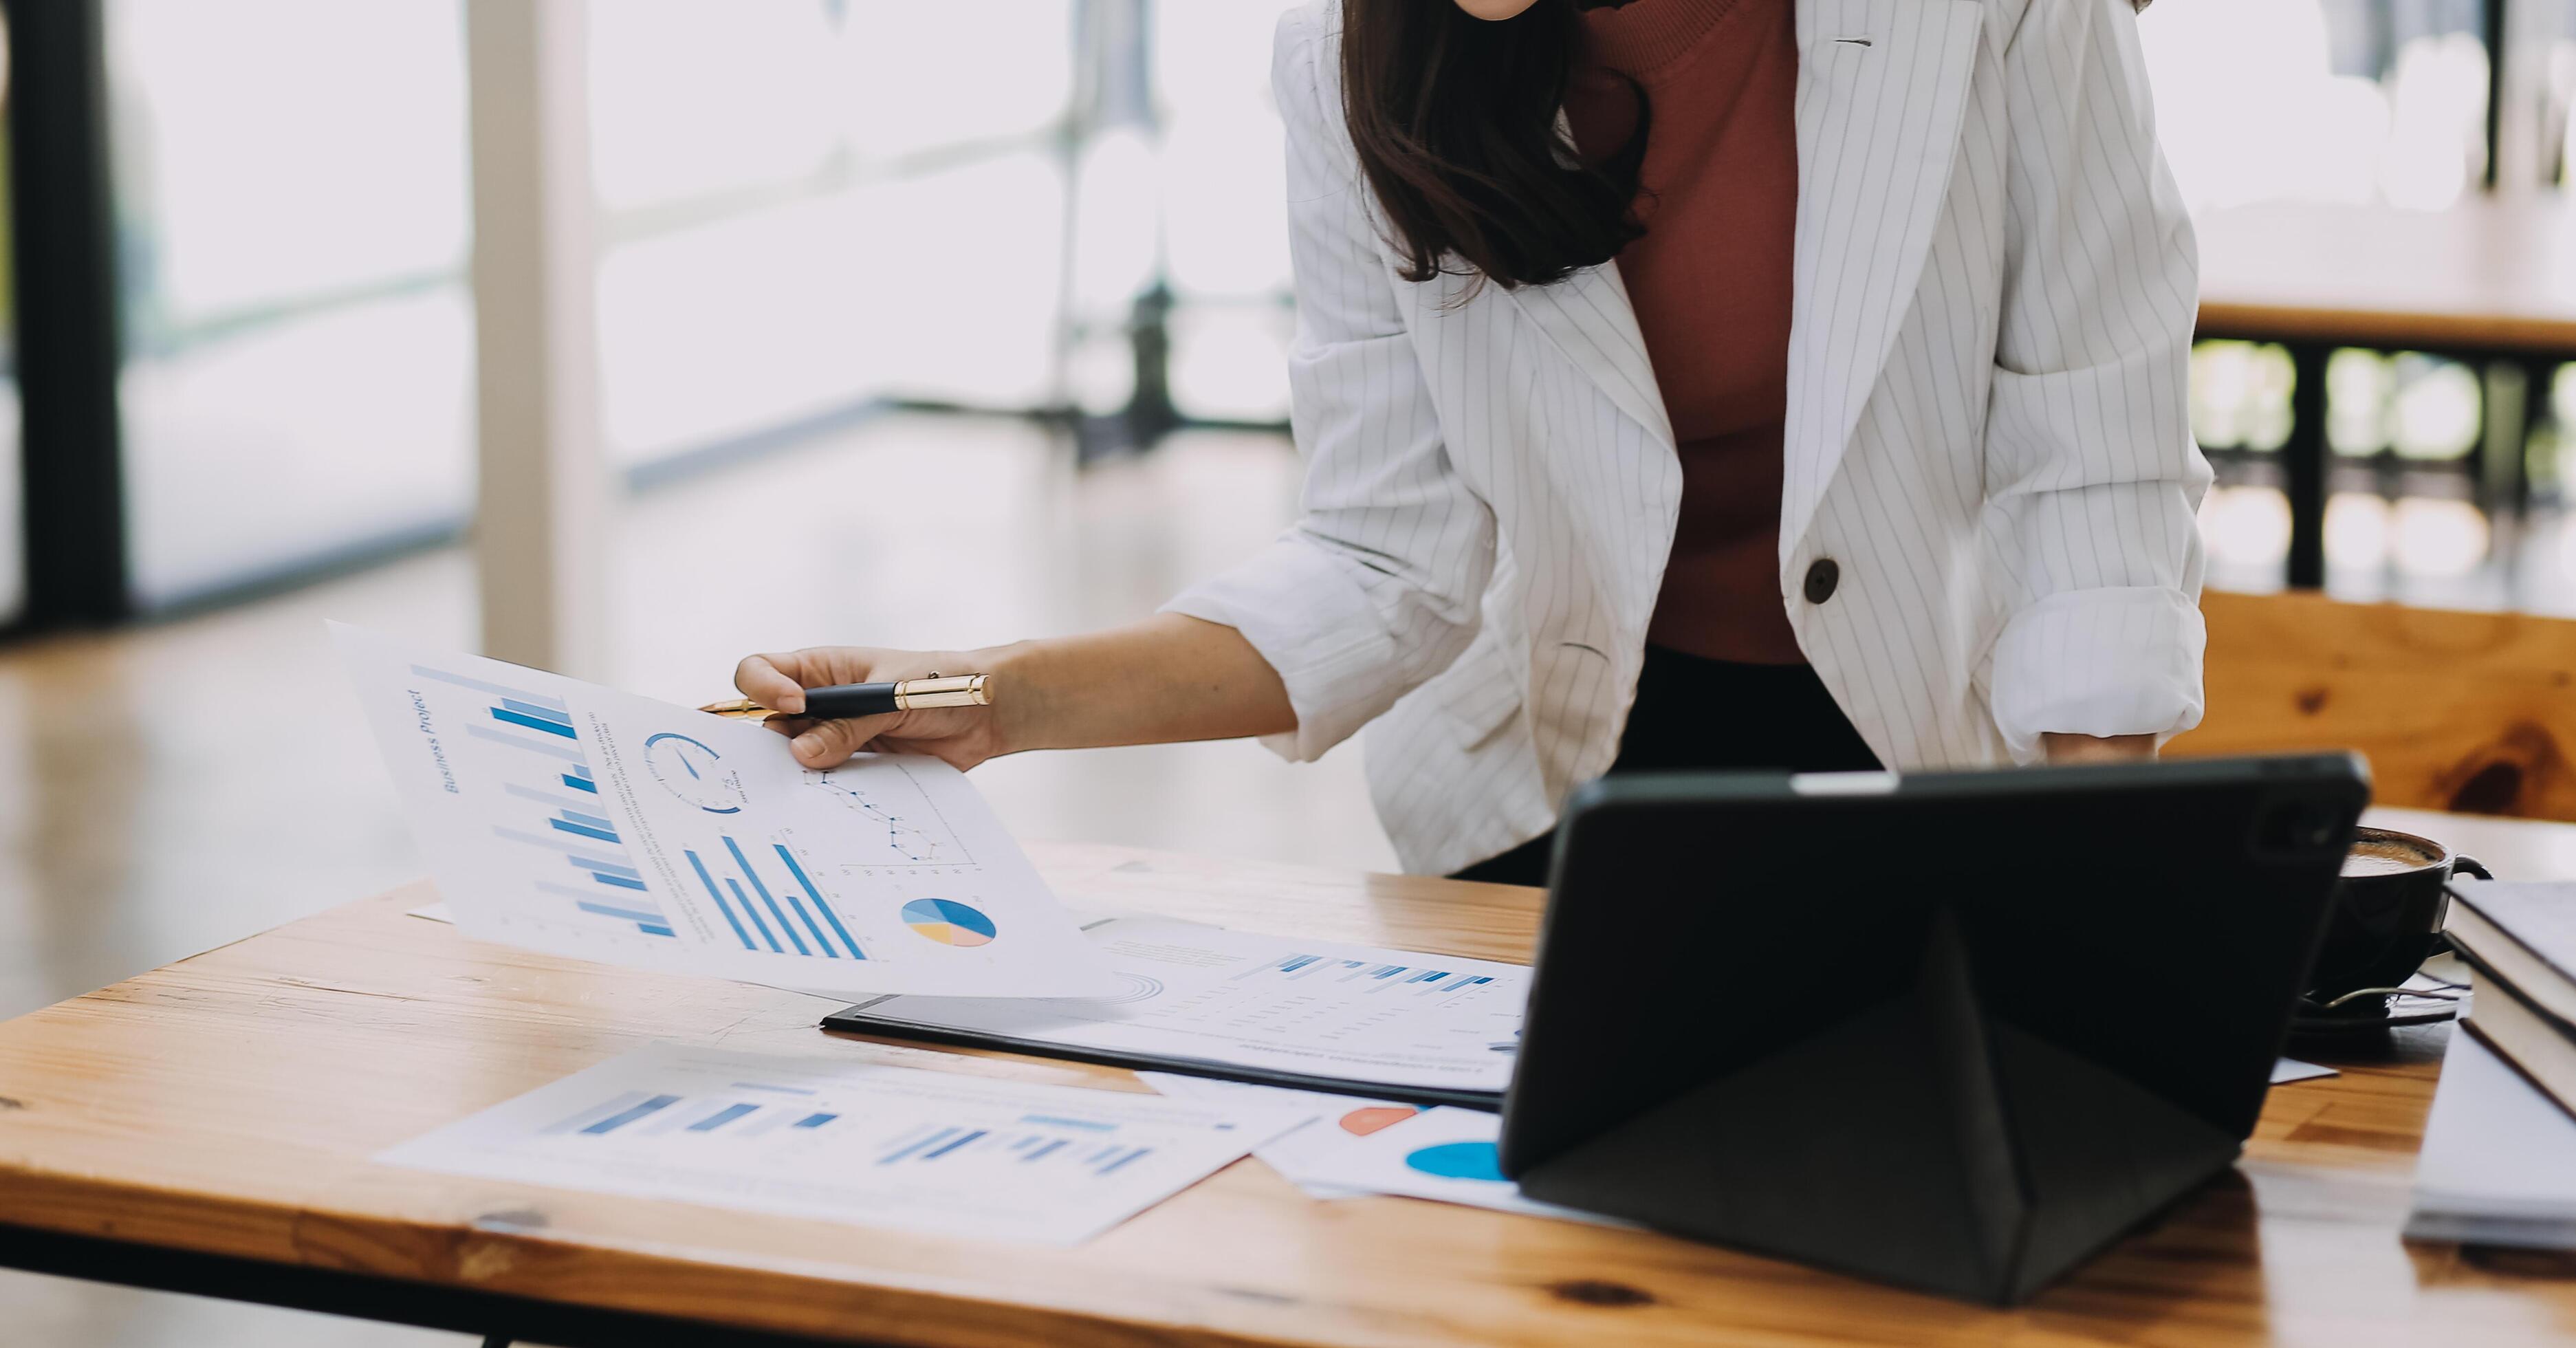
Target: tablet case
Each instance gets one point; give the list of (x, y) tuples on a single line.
[(1980, 1070)]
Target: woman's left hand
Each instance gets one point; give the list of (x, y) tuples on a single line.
[(2098, 749)]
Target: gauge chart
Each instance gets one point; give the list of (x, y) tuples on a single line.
[(693, 772)]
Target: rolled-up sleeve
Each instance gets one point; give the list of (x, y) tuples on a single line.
[(1376, 586), (2093, 480)]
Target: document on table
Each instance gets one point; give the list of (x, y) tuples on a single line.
[(2498, 1165), (587, 822), (1315, 1156), (1192, 993), (1353, 1146), (853, 1142)]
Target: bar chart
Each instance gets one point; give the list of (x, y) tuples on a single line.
[(757, 910), (846, 1138), (566, 817), (1373, 978), (1070, 1144)]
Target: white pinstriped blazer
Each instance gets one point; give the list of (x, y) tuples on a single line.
[(1987, 432)]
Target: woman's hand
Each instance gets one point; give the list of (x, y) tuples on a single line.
[(964, 736), (1152, 682)]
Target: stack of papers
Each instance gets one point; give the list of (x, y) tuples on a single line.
[(2499, 1159), (851, 1142)]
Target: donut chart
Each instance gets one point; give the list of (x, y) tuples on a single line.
[(949, 922)]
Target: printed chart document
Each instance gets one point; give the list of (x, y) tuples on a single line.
[(592, 823), (853, 1142), (1315, 1155), (1353, 1147), (1203, 994)]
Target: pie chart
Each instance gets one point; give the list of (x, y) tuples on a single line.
[(949, 922), (1458, 1160)]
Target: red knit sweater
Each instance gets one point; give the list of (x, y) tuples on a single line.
[(1710, 282)]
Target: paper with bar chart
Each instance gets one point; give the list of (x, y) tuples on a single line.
[(854, 1142), (584, 821), (1352, 1013)]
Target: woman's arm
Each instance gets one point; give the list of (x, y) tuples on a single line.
[(1166, 678), (2092, 478)]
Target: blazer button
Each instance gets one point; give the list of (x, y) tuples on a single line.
[(1821, 579)]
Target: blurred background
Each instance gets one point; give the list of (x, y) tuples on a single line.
[(936, 325)]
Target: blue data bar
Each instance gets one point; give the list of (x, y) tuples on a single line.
[(1061, 1122), (553, 714), (720, 1118), (587, 820), (1133, 1155), (907, 1151), (580, 783), (621, 881), (763, 891), (494, 689), (947, 1147), (578, 831), (654, 929), (623, 914), (589, 863), (817, 896), (519, 718), (552, 748), (1293, 965), (718, 895), (619, 1120), (1051, 1146), (754, 914), (815, 1120)]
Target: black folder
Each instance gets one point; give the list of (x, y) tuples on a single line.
[(1964, 1030)]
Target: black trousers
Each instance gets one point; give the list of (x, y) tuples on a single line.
[(1710, 714)]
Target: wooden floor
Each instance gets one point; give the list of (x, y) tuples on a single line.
[(175, 786)]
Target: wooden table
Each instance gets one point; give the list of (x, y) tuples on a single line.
[(2490, 279), (206, 1127)]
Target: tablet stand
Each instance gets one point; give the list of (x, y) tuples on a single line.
[(1922, 1142)]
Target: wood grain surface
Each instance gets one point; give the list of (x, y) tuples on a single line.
[(2472, 712), (2483, 275), (230, 1103)]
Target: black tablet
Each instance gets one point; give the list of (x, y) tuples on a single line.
[(1956, 1030)]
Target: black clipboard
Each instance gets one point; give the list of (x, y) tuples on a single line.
[(856, 1020)]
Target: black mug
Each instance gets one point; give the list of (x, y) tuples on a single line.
[(2388, 912)]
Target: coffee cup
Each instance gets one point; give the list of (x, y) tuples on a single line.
[(2388, 912)]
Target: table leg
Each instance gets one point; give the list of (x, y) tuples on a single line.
[(2303, 465)]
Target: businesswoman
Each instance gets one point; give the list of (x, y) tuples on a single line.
[(1809, 394)]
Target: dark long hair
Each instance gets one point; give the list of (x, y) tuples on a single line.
[(1455, 121)]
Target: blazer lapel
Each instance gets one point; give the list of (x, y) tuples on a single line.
[(1587, 317), (1882, 86)]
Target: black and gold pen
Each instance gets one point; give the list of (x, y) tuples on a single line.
[(843, 701)]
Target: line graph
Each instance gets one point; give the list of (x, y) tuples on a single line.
[(898, 826)]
